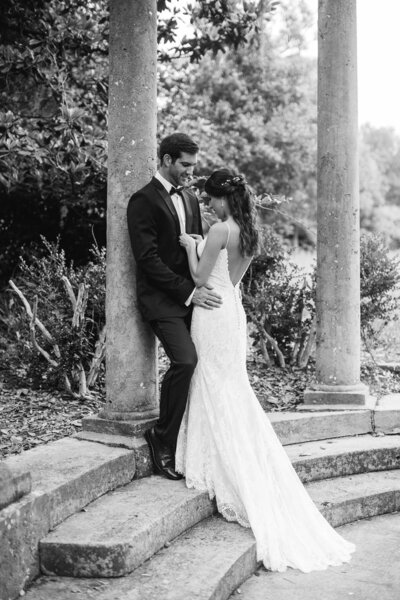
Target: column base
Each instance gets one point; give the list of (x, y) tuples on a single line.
[(134, 426), (337, 397), (137, 415)]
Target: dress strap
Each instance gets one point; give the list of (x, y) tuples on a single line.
[(229, 233)]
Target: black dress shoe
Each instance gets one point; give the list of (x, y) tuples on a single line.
[(163, 460)]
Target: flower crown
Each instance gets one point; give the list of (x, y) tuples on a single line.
[(236, 181)]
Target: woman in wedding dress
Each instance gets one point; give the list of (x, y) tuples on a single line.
[(226, 444)]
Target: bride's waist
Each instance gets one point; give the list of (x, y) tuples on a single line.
[(224, 287)]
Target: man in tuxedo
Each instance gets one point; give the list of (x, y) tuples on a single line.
[(157, 215)]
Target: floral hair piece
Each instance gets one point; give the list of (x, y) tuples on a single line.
[(236, 181)]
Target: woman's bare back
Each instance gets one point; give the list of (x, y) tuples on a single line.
[(237, 263)]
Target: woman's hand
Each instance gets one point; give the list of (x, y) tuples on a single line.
[(197, 238), (187, 241)]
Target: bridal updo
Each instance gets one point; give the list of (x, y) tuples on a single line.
[(233, 187)]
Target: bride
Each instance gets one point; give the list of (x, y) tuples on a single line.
[(226, 444)]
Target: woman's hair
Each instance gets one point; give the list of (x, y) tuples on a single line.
[(233, 187)]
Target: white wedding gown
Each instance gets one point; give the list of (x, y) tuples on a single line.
[(227, 446)]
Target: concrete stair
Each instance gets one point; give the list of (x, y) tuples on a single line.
[(119, 531), (210, 560), (122, 532), (65, 476), (373, 573)]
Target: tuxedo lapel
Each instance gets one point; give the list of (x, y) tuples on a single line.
[(188, 211), (167, 199)]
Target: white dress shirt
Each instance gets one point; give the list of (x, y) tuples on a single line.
[(176, 199), (180, 209)]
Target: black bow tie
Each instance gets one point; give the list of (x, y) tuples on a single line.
[(175, 190)]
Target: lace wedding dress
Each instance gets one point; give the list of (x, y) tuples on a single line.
[(227, 446)]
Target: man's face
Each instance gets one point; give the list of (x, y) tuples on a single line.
[(180, 172)]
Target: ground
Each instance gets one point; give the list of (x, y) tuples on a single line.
[(30, 416)]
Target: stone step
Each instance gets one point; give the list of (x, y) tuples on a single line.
[(121, 530), (291, 428), (13, 484), (65, 476), (81, 471), (208, 561), (373, 572), (300, 427), (213, 558), (344, 456)]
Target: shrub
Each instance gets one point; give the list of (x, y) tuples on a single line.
[(61, 341), (380, 278), (58, 323), (279, 299)]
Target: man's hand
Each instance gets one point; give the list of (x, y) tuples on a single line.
[(206, 298)]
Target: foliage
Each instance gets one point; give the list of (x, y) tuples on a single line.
[(280, 299), (215, 26), (254, 111), (380, 182), (72, 346), (380, 281), (53, 117), (52, 139)]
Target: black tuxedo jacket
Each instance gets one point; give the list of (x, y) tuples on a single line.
[(163, 276)]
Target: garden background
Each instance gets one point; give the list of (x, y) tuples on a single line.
[(239, 78)]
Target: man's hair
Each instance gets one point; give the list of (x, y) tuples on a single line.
[(175, 144)]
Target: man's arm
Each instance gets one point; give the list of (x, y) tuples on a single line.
[(143, 236)]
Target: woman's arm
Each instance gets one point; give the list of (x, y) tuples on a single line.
[(201, 269)]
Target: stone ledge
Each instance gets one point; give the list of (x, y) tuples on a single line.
[(387, 415), (13, 484), (291, 428), (305, 426), (116, 427), (66, 475), (120, 531), (143, 461), (215, 557), (342, 457)]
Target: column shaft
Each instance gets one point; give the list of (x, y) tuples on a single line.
[(338, 261), (131, 367)]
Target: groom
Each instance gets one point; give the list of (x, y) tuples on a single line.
[(157, 215)]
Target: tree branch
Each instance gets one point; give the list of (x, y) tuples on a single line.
[(304, 356), (69, 290), (37, 322), (80, 306), (274, 344), (32, 322), (98, 357)]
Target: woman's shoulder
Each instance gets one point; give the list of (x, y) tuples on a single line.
[(219, 230), (219, 227)]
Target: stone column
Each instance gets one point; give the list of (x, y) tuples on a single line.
[(131, 364), (338, 248)]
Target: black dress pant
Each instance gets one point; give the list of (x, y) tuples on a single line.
[(174, 335)]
